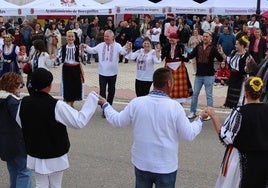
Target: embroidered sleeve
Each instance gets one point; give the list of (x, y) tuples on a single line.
[(231, 126)]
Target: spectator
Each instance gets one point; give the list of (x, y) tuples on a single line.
[(9, 56), (227, 41), (257, 46), (156, 31), (172, 28), (222, 74), (53, 38), (84, 27), (37, 33), (194, 40), (92, 31), (26, 31), (78, 31), (39, 59), (205, 26), (253, 23)]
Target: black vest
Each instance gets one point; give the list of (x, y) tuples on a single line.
[(44, 137), (63, 53), (11, 139)]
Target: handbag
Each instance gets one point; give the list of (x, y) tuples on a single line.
[(54, 41), (27, 68)]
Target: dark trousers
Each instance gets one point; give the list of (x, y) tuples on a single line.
[(142, 88), (110, 81)]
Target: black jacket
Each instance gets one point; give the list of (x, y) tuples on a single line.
[(11, 138)]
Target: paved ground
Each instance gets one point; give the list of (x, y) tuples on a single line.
[(100, 154), (100, 157), (125, 87)]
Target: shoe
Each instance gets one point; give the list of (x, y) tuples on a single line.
[(206, 119), (88, 62), (125, 62), (191, 115)]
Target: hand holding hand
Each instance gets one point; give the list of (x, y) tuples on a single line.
[(211, 112), (204, 114), (101, 100)]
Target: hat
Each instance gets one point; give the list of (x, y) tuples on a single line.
[(173, 36), (41, 78)]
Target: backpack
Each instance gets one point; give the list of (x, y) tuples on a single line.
[(138, 43)]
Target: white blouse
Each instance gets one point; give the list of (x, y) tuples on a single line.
[(69, 117), (145, 63)]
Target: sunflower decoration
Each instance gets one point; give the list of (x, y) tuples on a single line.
[(256, 84)]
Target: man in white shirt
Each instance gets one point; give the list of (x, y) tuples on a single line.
[(156, 31), (206, 24), (158, 122), (108, 52), (253, 22)]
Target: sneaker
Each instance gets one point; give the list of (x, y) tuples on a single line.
[(191, 115), (206, 119)]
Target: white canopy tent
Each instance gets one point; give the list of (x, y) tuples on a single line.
[(134, 7), (184, 7), (59, 7), (235, 7), (9, 9)]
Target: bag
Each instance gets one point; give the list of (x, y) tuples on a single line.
[(27, 68), (54, 41), (138, 43)]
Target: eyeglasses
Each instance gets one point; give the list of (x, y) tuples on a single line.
[(21, 85)]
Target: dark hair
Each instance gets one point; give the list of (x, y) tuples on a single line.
[(40, 45), (146, 39), (253, 86), (161, 77)]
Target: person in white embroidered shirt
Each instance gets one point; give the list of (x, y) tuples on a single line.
[(44, 120), (108, 52), (158, 122), (145, 58)]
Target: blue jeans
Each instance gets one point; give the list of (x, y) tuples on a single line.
[(92, 43), (146, 179), (110, 81), (20, 176), (198, 83)]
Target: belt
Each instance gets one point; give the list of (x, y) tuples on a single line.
[(71, 65), (235, 71), (7, 60)]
